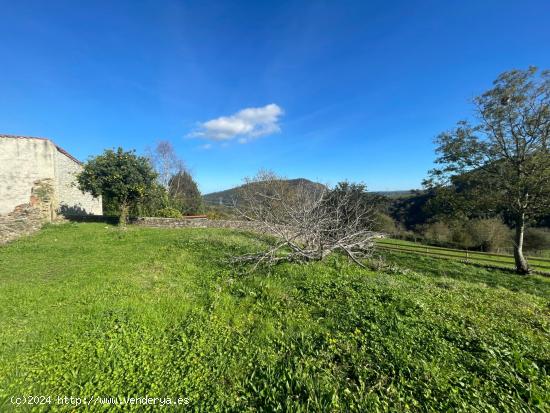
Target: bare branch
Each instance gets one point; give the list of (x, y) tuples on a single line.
[(309, 222)]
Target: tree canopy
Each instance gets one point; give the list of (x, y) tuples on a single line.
[(121, 176), (185, 192)]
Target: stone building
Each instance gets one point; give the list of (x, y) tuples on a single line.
[(37, 183)]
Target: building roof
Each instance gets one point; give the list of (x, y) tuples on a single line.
[(59, 148)]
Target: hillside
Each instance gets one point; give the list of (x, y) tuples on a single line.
[(395, 194), (228, 196)]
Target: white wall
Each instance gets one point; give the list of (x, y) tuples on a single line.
[(68, 194), (22, 162), (26, 160)]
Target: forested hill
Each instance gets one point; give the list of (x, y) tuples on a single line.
[(228, 196)]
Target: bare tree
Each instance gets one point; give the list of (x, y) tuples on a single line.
[(175, 178), (308, 224), (166, 162)]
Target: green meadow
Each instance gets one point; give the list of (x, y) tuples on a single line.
[(540, 264), (88, 310)]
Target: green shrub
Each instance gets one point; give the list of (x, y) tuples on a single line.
[(438, 232), (485, 234), (168, 213), (384, 223), (489, 234), (219, 213), (461, 237)]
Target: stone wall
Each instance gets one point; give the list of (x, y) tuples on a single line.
[(195, 223), (25, 160), (22, 163), (29, 217)]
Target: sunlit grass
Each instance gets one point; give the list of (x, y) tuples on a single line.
[(502, 260), (87, 309)]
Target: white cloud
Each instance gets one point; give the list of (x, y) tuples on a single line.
[(245, 125)]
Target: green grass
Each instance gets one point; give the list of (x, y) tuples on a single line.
[(476, 257), (86, 309)]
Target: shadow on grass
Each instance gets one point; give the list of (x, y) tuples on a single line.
[(74, 216)]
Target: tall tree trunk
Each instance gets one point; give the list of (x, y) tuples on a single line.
[(521, 263), (123, 218)]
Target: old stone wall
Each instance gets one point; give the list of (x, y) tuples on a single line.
[(29, 217), (25, 160), (22, 163), (196, 223), (38, 182)]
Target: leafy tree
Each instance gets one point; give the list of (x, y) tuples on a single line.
[(507, 151), (463, 198), (155, 199), (122, 177), (184, 190)]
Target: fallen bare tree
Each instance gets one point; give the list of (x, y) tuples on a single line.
[(309, 223)]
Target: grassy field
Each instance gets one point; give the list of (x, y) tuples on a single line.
[(506, 261), (88, 310)]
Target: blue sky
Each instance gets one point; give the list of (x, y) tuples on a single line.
[(338, 90)]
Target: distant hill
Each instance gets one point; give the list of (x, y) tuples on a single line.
[(228, 196), (395, 194)]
